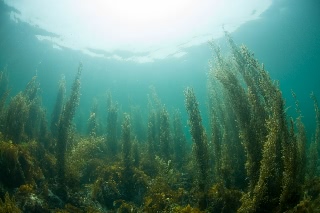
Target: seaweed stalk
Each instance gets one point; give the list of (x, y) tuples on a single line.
[(200, 144), (58, 107), (165, 135), (112, 120), (66, 118), (179, 139), (314, 148)]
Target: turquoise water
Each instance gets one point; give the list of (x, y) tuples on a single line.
[(287, 42), (286, 39)]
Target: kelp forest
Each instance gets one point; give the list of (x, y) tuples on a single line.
[(251, 157)]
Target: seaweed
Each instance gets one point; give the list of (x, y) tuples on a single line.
[(136, 153), (16, 117), (18, 165), (200, 144), (126, 143), (252, 157), (93, 125), (9, 205), (165, 135), (138, 124), (58, 107), (314, 149), (112, 120), (66, 118), (180, 145), (35, 110), (4, 93), (148, 160), (301, 138), (273, 149)]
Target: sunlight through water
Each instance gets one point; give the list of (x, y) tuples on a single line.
[(148, 30)]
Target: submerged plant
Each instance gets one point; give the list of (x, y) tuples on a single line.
[(9, 205), (165, 135), (66, 118), (253, 158), (200, 143), (151, 134), (179, 141), (93, 120), (272, 148), (301, 143), (138, 124), (22, 120), (4, 93), (16, 117), (148, 162), (314, 149), (58, 107), (317, 112), (132, 181), (112, 121), (3, 81), (126, 142)]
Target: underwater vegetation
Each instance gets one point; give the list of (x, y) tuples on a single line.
[(252, 157)]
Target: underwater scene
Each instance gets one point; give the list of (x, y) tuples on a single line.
[(160, 106)]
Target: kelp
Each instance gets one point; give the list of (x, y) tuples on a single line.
[(252, 157), (66, 117), (200, 144)]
